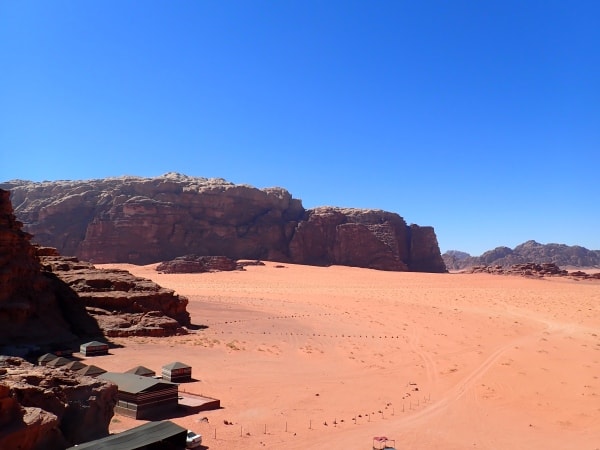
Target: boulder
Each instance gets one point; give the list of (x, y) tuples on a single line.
[(198, 264), (532, 269)]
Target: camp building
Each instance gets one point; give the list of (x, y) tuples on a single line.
[(46, 358), (177, 372), (94, 348), (59, 361), (142, 397), (149, 436)]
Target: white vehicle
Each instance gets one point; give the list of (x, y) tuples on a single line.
[(193, 439)]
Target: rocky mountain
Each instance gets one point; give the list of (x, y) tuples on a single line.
[(122, 304), (529, 252), (37, 309), (145, 220), (43, 408)]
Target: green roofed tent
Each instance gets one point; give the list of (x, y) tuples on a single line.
[(143, 397), (91, 371), (75, 365), (141, 371), (46, 358), (58, 362), (149, 435), (177, 372), (94, 348)]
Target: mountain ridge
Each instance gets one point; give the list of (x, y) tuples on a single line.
[(528, 252)]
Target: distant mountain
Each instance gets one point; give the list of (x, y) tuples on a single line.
[(531, 251)]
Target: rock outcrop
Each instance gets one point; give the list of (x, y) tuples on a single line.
[(147, 220), (531, 251), (122, 304), (198, 264), (50, 409), (534, 270), (38, 311)]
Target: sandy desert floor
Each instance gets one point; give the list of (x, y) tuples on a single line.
[(313, 358)]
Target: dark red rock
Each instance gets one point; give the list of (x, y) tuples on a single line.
[(198, 264), (532, 270), (122, 304), (37, 310), (42, 408)]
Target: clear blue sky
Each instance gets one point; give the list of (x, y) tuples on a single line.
[(480, 118)]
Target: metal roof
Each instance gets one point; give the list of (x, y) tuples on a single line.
[(141, 370), (91, 370), (176, 365), (75, 365), (47, 357), (58, 362), (133, 384), (94, 344), (136, 438)]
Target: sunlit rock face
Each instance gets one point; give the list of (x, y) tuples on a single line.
[(37, 310), (147, 220)]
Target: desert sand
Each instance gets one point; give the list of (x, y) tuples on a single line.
[(329, 357)]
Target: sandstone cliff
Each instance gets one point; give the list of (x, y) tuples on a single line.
[(42, 408), (145, 220), (37, 309), (123, 304)]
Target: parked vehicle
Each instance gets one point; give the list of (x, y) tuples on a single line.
[(193, 440)]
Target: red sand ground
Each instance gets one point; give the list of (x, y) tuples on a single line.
[(312, 358)]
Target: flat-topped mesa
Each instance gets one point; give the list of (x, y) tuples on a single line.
[(146, 220)]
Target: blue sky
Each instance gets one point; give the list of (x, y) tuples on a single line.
[(480, 118)]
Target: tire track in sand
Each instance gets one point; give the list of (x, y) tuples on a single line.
[(462, 387)]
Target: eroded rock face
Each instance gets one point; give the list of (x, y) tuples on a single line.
[(532, 269), (46, 409), (37, 310), (527, 252), (198, 264), (122, 304), (146, 220)]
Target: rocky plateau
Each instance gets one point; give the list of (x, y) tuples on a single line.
[(147, 220), (122, 304)]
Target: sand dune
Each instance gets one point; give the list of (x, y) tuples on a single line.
[(311, 358)]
